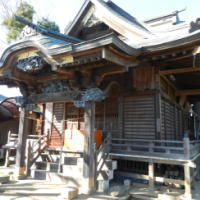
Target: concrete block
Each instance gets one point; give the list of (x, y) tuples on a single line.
[(72, 170), (103, 185), (53, 167), (38, 174), (68, 180), (69, 193)]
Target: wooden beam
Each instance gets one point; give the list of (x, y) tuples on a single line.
[(179, 70), (52, 77), (187, 92), (115, 58), (109, 70), (178, 58), (53, 97), (169, 82)]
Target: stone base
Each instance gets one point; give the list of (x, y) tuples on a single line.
[(4, 178), (19, 173), (103, 185)]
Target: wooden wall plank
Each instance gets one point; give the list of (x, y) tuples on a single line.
[(139, 117)]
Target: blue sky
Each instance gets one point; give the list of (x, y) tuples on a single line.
[(63, 11)]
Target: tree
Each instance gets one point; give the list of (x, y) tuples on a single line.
[(25, 11), (46, 23)]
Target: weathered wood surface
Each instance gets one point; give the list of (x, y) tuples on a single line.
[(179, 70), (156, 178), (188, 92), (54, 97), (57, 134), (139, 117), (89, 160), (22, 136)]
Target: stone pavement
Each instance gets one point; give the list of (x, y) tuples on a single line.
[(40, 190)]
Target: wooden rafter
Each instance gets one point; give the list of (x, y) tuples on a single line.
[(179, 70), (187, 92)]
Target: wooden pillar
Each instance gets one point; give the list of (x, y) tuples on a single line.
[(151, 175), (158, 106), (187, 181), (89, 170), (120, 117), (186, 147), (22, 135)]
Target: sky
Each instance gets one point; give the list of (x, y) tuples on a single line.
[(63, 11)]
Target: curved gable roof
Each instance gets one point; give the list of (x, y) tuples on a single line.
[(114, 17)]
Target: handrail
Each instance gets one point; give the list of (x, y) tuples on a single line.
[(148, 141), (43, 143), (186, 149), (102, 154)]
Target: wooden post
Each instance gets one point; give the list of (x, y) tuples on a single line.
[(22, 135), (120, 116), (186, 147), (187, 181), (89, 161), (7, 151), (151, 175), (158, 106)]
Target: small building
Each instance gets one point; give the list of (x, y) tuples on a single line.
[(110, 81)]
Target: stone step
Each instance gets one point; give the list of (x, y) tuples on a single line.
[(60, 178), (69, 193)]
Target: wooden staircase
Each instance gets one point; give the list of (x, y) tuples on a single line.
[(105, 166), (66, 169), (10, 149)]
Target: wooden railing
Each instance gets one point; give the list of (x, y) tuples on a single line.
[(177, 149), (35, 146), (194, 148), (102, 154)]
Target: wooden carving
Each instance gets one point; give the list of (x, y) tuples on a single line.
[(31, 64)]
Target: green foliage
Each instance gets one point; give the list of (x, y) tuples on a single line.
[(25, 11), (46, 23)]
